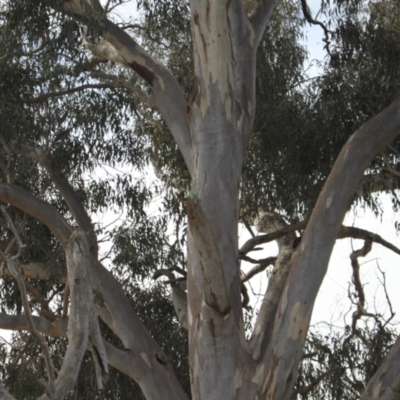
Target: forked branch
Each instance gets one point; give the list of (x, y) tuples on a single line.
[(112, 305), (166, 95), (312, 255)]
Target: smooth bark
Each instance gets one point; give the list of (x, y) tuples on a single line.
[(385, 384), (310, 261), (212, 132)]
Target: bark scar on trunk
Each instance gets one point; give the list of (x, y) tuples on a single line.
[(215, 292)]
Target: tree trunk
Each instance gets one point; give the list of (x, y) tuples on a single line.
[(220, 116)]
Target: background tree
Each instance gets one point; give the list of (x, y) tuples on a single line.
[(79, 93)]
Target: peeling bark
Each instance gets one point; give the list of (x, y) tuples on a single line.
[(215, 293)]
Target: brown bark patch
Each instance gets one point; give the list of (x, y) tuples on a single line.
[(212, 327), (145, 73), (161, 358)]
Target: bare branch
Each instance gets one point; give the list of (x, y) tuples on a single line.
[(258, 268), (272, 222), (14, 239), (65, 299), (311, 20), (44, 158), (122, 360), (166, 95), (388, 301), (13, 228), (58, 328), (245, 295), (344, 232), (77, 254), (99, 353), (360, 311), (38, 209), (358, 233), (269, 237)]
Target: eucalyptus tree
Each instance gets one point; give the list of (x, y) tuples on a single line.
[(78, 74)]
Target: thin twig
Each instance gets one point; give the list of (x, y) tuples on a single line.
[(383, 283)]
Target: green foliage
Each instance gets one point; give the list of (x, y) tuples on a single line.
[(300, 126), (345, 360)]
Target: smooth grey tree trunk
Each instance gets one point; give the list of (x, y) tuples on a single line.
[(212, 133)]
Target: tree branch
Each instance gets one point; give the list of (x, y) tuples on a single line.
[(123, 361), (272, 222), (34, 270), (311, 20), (311, 258), (28, 315), (50, 95), (385, 384), (306, 389), (258, 268), (260, 18), (360, 311), (44, 158), (179, 296), (77, 253), (358, 233), (4, 395), (344, 232), (166, 95), (157, 380), (269, 237)]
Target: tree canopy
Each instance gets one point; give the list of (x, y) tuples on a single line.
[(135, 138)]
